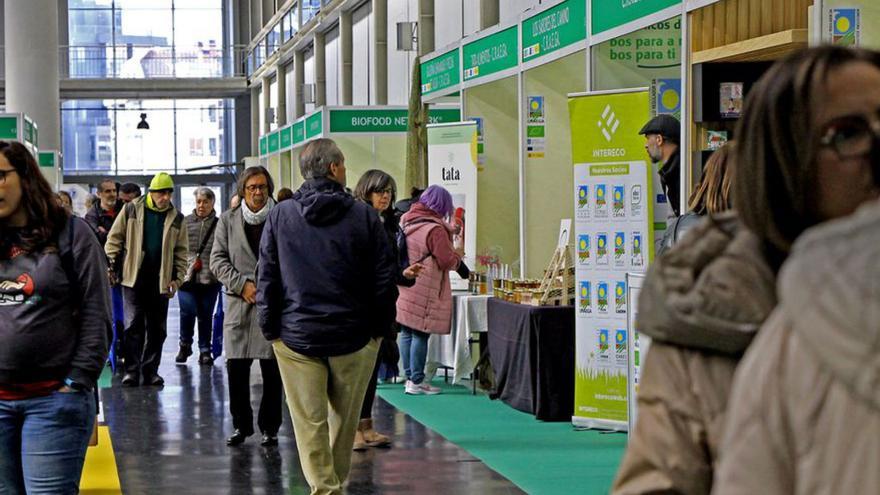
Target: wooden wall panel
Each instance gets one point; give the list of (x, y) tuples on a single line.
[(731, 21)]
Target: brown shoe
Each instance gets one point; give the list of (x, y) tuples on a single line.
[(359, 443), (371, 437)]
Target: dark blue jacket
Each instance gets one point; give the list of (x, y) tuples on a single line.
[(325, 279)]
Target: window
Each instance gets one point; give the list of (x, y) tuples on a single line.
[(310, 9), (273, 41), (291, 23), (137, 39), (101, 136), (260, 54)]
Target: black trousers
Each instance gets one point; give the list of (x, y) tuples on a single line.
[(146, 314), (269, 417), (370, 395)]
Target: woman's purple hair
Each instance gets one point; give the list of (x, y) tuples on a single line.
[(438, 199)]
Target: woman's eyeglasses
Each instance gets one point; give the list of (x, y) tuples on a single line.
[(4, 173), (851, 136)]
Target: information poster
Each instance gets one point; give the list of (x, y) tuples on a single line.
[(850, 22), (637, 344), (614, 225), (452, 163), (535, 128)]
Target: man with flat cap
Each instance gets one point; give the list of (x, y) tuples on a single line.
[(661, 141)]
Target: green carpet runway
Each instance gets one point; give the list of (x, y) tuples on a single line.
[(541, 458)]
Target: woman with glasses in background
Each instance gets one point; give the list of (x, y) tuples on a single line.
[(234, 263), (379, 190)]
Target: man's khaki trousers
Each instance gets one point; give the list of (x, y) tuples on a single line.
[(325, 397)]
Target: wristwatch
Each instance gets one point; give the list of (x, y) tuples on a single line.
[(76, 386)]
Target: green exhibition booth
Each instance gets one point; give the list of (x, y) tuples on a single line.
[(371, 137)]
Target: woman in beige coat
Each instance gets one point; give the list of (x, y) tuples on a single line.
[(805, 407), (234, 262), (704, 301)]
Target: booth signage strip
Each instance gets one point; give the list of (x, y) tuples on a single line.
[(441, 72), (490, 55), (605, 16), (554, 29)]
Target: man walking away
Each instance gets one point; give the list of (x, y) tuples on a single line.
[(325, 292)]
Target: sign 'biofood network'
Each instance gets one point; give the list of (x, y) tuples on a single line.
[(388, 120), (440, 73), (554, 29), (609, 14), (489, 55)]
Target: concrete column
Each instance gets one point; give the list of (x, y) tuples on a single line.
[(255, 119), (320, 70), (380, 62), (345, 55), (299, 77), (31, 37), (426, 27), (267, 103), (489, 13), (281, 111)]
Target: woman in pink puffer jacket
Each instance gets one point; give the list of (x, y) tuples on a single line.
[(426, 307)]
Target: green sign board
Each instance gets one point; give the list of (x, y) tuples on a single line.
[(494, 53), (607, 15), (554, 29), (440, 73), (286, 137), (390, 120), (299, 132), (315, 125), (30, 132), (8, 128), (273, 142), (264, 148), (47, 158)]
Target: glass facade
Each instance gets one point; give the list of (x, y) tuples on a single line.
[(137, 39), (291, 23), (310, 9), (101, 136)]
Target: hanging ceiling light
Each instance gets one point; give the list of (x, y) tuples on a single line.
[(143, 123)]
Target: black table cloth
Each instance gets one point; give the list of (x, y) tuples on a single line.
[(532, 352)]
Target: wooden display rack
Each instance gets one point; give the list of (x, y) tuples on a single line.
[(557, 286)]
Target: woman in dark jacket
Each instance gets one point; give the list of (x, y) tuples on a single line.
[(53, 283), (378, 189)]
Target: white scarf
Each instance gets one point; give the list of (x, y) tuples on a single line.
[(252, 218)]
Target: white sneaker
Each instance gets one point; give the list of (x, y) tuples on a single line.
[(412, 389), (427, 389)]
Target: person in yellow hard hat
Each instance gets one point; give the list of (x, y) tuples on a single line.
[(147, 250)]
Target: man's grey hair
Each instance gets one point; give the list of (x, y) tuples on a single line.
[(316, 157), (206, 192)]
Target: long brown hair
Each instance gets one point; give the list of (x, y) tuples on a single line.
[(45, 215), (774, 189), (712, 194)]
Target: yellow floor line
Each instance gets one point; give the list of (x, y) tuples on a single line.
[(100, 475)]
